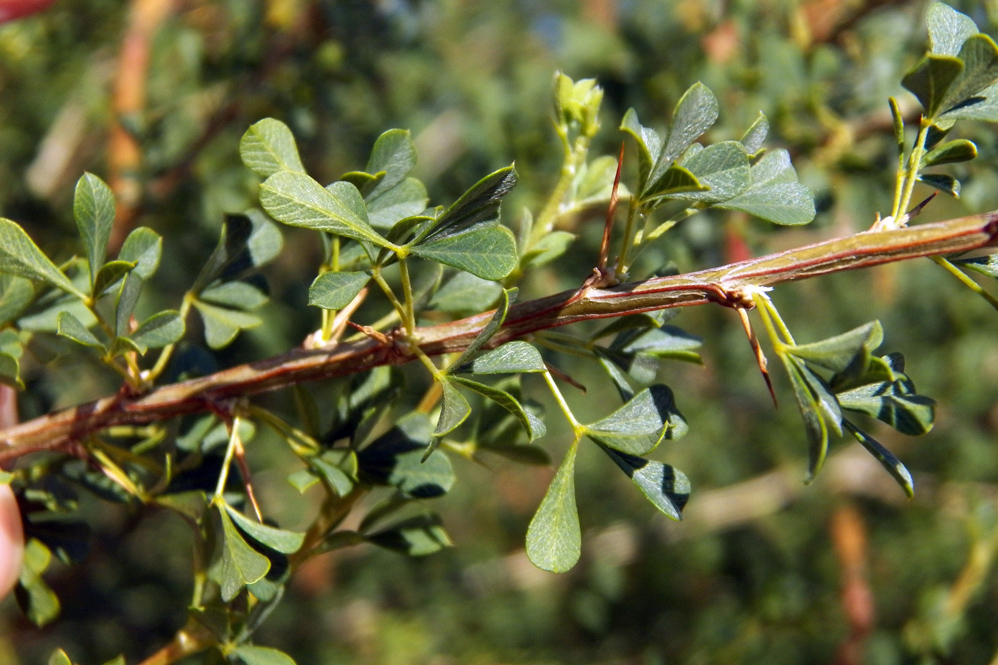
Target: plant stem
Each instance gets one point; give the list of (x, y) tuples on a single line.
[(714, 285), (910, 176), (971, 284), (577, 427), (575, 156)]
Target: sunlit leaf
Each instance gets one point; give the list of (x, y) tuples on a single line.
[(268, 147), (93, 209), (534, 428), (667, 488), (951, 152), (286, 542), (489, 252), (512, 357), (479, 205), (20, 256), (336, 290), (640, 425), (417, 536), (886, 458), (240, 563), (948, 28), (930, 80), (142, 247), (253, 655), (221, 325), (454, 408), (554, 537)]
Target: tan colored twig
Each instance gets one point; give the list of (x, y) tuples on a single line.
[(723, 285)]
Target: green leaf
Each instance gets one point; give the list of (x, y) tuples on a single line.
[(125, 301), (336, 290), (20, 256), (222, 325), (143, 247), (535, 428), (38, 602), (724, 167), (395, 155), (252, 655), (453, 411), (547, 249), (329, 465), (510, 358), (479, 205), (285, 542), (695, 112), (465, 294), (909, 414), (886, 458), (640, 425), (298, 200), (59, 657), (407, 199), (948, 28), (268, 147), (395, 459), (109, 275), (979, 55), (417, 536), (847, 354), (489, 253), (554, 537), (666, 487), (944, 183), (239, 295), (756, 134), (676, 180), (93, 209), (166, 327), (240, 564), (666, 342), (507, 297), (951, 152), (16, 293), (814, 424), (649, 145), (787, 204), (10, 371), (245, 243), (70, 327), (611, 365), (986, 265), (930, 80), (593, 184)]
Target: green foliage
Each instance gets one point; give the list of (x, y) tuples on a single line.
[(369, 446)]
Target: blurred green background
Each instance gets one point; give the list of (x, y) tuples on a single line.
[(763, 569)]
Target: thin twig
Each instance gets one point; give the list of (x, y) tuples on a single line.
[(716, 285)]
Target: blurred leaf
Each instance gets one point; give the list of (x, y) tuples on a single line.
[(535, 428), (547, 249), (252, 655), (951, 152), (396, 459), (454, 409), (298, 200), (489, 252), (240, 295), (240, 563), (109, 274), (268, 147), (609, 362), (511, 357), (20, 256), (221, 325), (886, 458), (948, 28), (159, 330), (245, 243), (142, 247), (286, 542), (16, 293), (93, 209), (416, 536), (71, 328), (38, 602), (554, 537), (336, 290), (465, 294), (667, 488), (477, 206), (337, 468), (986, 265), (59, 657), (640, 425)]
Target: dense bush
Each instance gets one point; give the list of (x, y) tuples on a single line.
[(227, 499)]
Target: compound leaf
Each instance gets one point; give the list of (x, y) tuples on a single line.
[(489, 253), (268, 147), (93, 209), (20, 256), (640, 425), (336, 290), (554, 537)]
